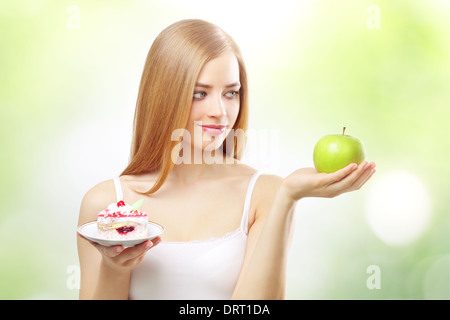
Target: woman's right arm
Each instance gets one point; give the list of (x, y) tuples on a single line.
[(105, 271)]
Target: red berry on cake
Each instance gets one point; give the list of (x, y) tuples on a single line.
[(120, 221)]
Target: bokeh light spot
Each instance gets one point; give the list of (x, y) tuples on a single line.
[(398, 207)]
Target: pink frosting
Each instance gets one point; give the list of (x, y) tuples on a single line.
[(120, 210)]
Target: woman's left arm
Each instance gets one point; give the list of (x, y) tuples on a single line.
[(263, 274)]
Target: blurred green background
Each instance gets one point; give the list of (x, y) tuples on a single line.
[(69, 75)]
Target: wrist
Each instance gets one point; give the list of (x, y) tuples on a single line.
[(109, 268), (285, 196), (113, 283)]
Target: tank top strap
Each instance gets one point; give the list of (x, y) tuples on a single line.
[(248, 197), (118, 186)]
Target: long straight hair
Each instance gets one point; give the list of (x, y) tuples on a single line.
[(165, 95)]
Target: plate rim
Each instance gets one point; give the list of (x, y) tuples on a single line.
[(120, 241)]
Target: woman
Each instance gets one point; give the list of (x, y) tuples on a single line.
[(227, 228)]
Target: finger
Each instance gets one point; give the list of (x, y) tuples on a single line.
[(110, 252), (358, 178), (156, 240), (365, 176), (341, 174), (352, 180), (133, 252), (150, 245)]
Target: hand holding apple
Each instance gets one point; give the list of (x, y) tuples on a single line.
[(307, 182), (340, 168), (334, 152)]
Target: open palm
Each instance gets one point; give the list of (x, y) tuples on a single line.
[(307, 182)]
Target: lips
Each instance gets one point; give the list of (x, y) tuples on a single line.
[(213, 130)]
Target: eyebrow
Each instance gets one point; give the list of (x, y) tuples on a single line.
[(203, 85)]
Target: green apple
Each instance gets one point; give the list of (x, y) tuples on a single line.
[(334, 152)]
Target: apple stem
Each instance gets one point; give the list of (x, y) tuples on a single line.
[(343, 131)]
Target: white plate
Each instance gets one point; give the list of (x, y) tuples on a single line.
[(89, 231)]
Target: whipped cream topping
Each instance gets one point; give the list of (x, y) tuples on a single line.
[(120, 209)]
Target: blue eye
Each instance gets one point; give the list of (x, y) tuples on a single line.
[(199, 94)]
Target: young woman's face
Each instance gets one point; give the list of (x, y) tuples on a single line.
[(215, 102)]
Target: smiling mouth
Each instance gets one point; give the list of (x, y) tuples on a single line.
[(213, 130)]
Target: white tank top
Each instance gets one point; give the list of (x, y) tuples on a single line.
[(199, 269)]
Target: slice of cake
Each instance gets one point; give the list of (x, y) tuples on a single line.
[(120, 221)]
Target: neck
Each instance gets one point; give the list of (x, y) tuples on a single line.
[(188, 172)]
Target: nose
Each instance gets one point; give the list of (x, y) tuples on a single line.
[(217, 107)]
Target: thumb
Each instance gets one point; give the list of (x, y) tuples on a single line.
[(342, 173), (109, 252)]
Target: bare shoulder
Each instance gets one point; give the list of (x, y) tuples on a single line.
[(95, 200), (268, 184)]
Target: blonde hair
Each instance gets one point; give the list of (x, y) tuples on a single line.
[(171, 69)]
